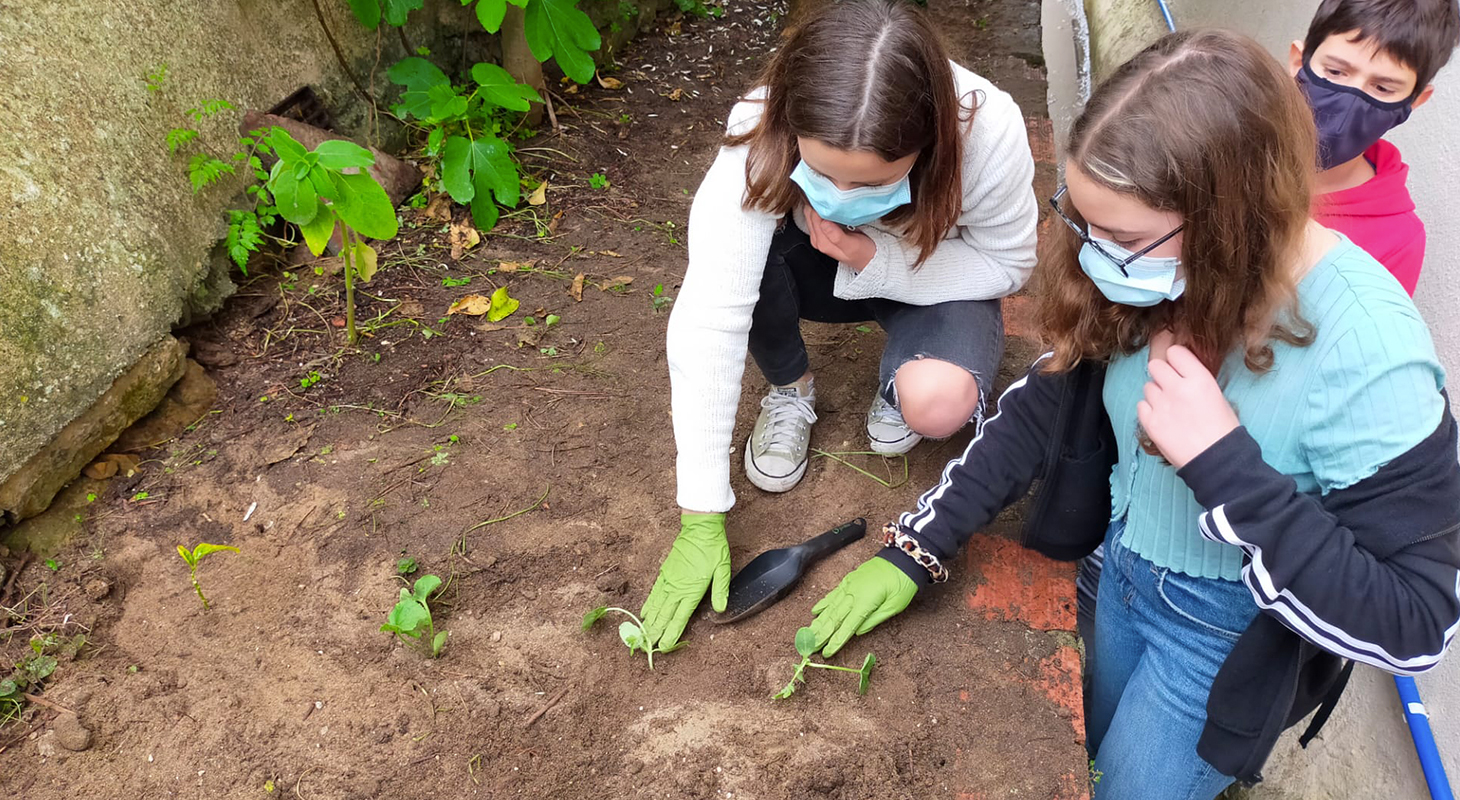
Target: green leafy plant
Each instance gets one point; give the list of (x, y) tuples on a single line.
[(806, 645), (207, 165), (631, 632), (411, 620), (659, 299), (31, 671), (312, 190), (193, 556), (405, 565), (462, 125), (309, 380), (598, 180), (555, 29)]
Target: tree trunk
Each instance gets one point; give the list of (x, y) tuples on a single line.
[(518, 60)]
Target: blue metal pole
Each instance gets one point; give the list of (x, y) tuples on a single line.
[(1424, 738), (1166, 12)]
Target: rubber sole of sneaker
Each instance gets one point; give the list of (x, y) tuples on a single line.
[(771, 483), (897, 448)]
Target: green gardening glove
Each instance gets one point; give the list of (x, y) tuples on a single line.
[(699, 559), (866, 597)]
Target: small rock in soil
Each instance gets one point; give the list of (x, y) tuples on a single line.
[(70, 734), (496, 636), (613, 583), (97, 589)]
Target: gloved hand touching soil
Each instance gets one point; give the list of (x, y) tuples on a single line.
[(867, 596), (699, 560)]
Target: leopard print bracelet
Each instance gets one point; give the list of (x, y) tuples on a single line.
[(893, 535)]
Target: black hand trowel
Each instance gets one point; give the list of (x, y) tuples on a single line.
[(773, 574)]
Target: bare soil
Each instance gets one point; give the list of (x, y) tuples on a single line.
[(533, 468)]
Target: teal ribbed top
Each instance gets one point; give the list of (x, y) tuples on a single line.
[(1327, 415)]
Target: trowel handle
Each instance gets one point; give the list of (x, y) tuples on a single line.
[(833, 540)]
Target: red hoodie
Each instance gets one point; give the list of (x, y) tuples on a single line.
[(1379, 216)]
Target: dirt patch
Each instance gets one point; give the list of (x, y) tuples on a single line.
[(326, 464)]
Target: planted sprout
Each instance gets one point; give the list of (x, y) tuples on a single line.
[(411, 621), (632, 633), (806, 645), (192, 557)]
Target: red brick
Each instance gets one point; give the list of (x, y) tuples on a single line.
[(1020, 585)]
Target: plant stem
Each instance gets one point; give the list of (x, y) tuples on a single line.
[(350, 261), (197, 587), (829, 666)]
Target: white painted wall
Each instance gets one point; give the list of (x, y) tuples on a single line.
[(1365, 751)]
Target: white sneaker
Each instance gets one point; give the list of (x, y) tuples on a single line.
[(886, 430), (776, 453)]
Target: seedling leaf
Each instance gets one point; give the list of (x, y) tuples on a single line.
[(425, 585), (407, 618), (207, 549), (673, 647), (187, 556), (438, 643), (594, 616), (805, 642), (866, 672), (632, 635)]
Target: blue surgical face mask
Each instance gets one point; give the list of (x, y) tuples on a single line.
[(1147, 280), (851, 207)]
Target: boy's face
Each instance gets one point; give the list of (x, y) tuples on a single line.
[(1346, 60)]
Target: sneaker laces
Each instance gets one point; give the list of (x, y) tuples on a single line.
[(782, 412), (885, 413)]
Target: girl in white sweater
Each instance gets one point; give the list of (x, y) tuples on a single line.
[(867, 177)]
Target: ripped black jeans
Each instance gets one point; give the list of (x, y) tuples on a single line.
[(798, 284)]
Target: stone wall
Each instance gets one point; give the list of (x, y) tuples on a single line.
[(104, 248)]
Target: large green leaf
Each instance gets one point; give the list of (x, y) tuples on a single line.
[(498, 87), (446, 103), (408, 616), (490, 13), (557, 29), (418, 76), (317, 232), (364, 206), (396, 11), (296, 200), (367, 11), (285, 146), (341, 154), (476, 169)]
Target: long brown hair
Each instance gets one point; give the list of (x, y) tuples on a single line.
[(1208, 125), (870, 75)]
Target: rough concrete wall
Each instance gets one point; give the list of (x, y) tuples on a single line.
[(104, 248), (1365, 751)]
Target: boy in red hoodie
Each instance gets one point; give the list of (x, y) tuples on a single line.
[(1364, 66)]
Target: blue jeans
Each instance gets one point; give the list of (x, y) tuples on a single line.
[(1160, 637)]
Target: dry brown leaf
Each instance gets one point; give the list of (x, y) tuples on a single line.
[(610, 83), (514, 266), (572, 89), (488, 327), (552, 226), (676, 94), (473, 305), (624, 279), (411, 308), (676, 29), (439, 209), (463, 237), (539, 195), (609, 253), (100, 470), (577, 288)]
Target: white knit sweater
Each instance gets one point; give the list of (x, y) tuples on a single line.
[(989, 254)]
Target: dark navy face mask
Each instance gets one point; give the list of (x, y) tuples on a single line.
[(1349, 120)]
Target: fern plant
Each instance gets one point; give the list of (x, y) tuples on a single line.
[(313, 190)]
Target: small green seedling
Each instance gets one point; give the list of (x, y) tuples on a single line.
[(192, 557), (806, 645), (411, 621), (405, 566), (659, 299), (632, 633), (598, 180)]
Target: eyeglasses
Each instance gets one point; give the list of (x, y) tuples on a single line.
[(1084, 234)]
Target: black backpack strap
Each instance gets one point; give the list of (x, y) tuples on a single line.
[(1330, 702)]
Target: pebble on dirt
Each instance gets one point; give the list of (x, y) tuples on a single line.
[(70, 733)]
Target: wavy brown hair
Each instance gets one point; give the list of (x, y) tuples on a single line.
[(1208, 125), (870, 75)]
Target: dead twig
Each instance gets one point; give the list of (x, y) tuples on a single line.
[(25, 560), (41, 701), (537, 715)]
